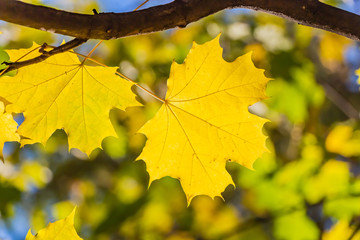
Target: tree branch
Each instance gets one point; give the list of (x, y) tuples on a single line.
[(175, 14)]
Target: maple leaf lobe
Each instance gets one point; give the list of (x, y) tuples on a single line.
[(62, 229), (8, 128)]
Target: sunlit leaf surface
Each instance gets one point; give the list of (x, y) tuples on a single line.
[(205, 121), (7, 128), (63, 93), (62, 229)]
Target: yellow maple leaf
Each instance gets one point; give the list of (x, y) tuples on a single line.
[(204, 121), (62, 229), (63, 93), (8, 128)]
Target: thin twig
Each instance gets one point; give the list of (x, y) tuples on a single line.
[(141, 5), (60, 49)]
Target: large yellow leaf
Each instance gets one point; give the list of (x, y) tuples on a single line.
[(62, 229), (205, 121), (61, 92), (7, 128)]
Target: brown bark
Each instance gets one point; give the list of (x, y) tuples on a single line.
[(175, 14)]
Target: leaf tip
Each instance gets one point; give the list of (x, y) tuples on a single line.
[(71, 216), (217, 38), (189, 198)]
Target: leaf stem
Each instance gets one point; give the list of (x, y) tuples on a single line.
[(141, 87), (92, 50), (98, 44), (89, 58), (141, 5), (4, 70), (125, 77)]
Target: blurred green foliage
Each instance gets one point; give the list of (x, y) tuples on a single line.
[(307, 188)]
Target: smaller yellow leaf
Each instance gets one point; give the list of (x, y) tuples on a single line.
[(62, 229), (8, 128), (332, 47), (331, 181), (343, 140)]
